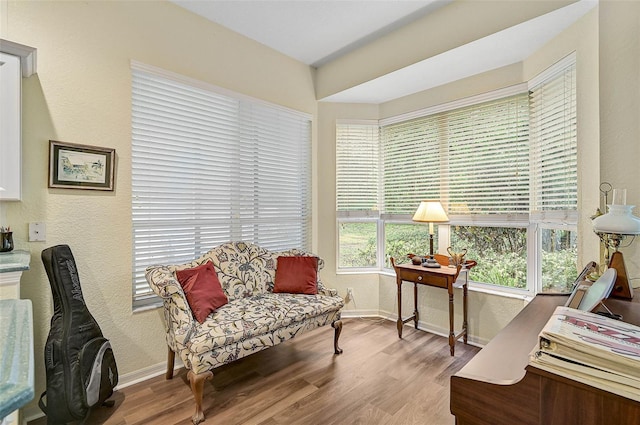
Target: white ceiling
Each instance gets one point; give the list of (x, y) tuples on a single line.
[(318, 31), (312, 31)]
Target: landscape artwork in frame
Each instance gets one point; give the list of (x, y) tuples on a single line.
[(73, 166)]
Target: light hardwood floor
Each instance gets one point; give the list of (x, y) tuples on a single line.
[(379, 379)]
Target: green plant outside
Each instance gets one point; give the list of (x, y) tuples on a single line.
[(355, 241), (500, 251)]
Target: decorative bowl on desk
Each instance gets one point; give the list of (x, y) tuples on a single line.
[(416, 259), (457, 258)]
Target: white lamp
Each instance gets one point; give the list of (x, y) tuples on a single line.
[(612, 228), (430, 212)]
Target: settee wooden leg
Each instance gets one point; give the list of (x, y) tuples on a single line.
[(197, 388), (337, 325), (171, 358)]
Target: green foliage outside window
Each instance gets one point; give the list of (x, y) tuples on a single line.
[(403, 239), (356, 242), (559, 256), (501, 252)]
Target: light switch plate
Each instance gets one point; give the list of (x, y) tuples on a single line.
[(37, 232)]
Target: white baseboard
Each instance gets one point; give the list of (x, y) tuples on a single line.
[(424, 326), (148, 372), (359, 313)]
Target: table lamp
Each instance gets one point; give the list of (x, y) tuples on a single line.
[(612, 228), (430, 212)]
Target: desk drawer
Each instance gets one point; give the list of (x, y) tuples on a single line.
[(424, 278)]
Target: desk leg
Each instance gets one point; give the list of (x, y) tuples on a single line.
[(399, 323), (415, 305), (452, 335), (464, 310)]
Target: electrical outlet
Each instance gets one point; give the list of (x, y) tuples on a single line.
[(37, 232), (349, 295)]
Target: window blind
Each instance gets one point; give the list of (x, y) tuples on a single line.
[(357, 169), (513, 155), (488, 157), (553, 136), (475, 158), (210, 167), (411, 164)]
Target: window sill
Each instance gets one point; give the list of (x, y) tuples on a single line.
[(506, 293), (146, 304), (473, 286)]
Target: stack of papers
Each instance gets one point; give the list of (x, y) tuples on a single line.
[(592, 349)]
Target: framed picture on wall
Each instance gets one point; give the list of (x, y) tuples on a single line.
[(73, 166)]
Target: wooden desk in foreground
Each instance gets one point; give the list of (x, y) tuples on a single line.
[(498, 387)]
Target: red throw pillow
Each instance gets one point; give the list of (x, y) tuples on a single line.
[(297, 275), (203, 290)]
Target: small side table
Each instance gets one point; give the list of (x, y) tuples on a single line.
[(443, 277)]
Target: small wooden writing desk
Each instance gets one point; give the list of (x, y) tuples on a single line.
[(443, 277)]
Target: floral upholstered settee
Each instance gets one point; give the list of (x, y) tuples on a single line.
[(254, 318)]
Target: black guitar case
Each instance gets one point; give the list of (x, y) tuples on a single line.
[(79, 362)]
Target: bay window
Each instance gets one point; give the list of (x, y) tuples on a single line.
[(504, 165)]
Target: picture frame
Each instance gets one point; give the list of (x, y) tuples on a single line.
[(75, 166)]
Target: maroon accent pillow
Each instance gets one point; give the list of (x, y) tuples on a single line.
[(297, 275), (203, 290)]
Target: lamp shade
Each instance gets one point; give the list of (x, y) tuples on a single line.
[(619, 220), (430, 212)]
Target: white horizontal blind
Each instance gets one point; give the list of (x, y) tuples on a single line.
[(553, 134), (412, 160), (357, 168), (208, 168), (488, 157), (475, 159)]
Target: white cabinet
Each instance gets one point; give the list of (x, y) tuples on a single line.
[(10, 141), (16, 61)]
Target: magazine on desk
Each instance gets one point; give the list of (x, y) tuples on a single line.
[(592, 349)]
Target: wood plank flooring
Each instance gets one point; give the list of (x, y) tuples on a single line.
[(379, 379)]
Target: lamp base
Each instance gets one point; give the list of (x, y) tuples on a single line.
[(621, 288), (431, 263)]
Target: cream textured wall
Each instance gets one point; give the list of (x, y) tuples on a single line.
[(82, 94), (620, 108)]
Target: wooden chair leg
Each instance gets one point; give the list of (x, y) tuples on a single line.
[(197, 388), (171, 358), (337, 325)]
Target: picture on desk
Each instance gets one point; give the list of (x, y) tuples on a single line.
[(587, 297)]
